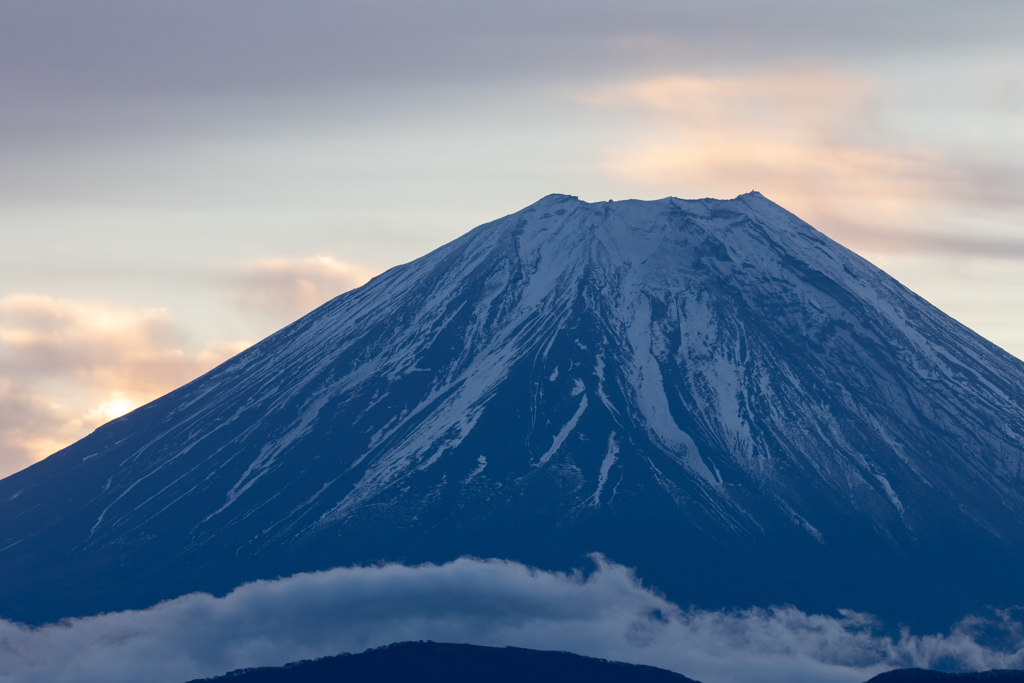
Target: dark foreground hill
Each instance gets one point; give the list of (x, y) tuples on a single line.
[(450, 663), (709, 391), (429, 662), (925, 676)]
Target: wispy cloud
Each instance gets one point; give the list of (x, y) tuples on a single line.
[(288, 288), (814, 142), (68, 366), (31, 427), (606, 614)]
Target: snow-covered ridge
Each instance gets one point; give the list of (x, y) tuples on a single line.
[(529, 270)]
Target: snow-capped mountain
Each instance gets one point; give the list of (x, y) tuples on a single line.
[(709, 391)]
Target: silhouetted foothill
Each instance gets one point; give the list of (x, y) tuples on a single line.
[(925, 676), (428, 662)]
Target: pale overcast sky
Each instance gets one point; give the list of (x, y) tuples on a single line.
[(178, 179)]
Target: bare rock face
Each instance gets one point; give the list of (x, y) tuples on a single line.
[(709, 391)]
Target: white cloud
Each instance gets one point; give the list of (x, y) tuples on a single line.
[(606, 614), (288, 288), (818, 143), (30, 427)]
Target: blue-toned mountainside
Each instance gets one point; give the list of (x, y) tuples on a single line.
[(709, 391), (451, 663)]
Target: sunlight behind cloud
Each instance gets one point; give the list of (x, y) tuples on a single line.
[(117, 406), (68, 366)]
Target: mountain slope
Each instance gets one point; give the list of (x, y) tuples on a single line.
[(710, 391)]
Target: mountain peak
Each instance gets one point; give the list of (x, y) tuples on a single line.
[(710, 391)]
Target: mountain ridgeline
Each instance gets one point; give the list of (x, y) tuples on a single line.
[(709, 391)]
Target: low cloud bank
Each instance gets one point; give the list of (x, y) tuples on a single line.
[(606, 614)]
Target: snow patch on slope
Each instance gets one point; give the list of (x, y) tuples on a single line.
[(606, 466), (563, 433), (481, 464)]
